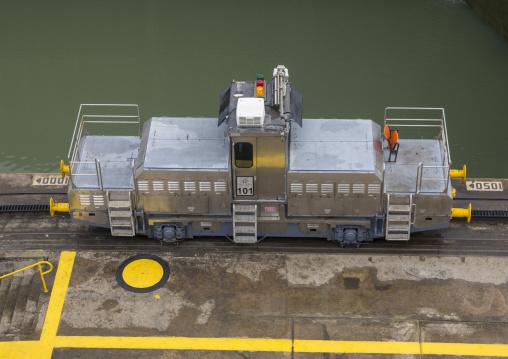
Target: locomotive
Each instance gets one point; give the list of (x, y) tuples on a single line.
[(260, 169)]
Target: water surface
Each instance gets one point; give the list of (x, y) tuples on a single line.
[(350, 59)]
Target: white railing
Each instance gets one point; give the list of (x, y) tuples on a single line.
[(420, 178), (80, 131), (424, 124)]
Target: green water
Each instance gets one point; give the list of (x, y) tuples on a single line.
[(350, 59)]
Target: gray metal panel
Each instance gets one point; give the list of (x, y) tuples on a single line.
[(326, 145), (187, 144), (401, 176), (332, 130), (115, 154)]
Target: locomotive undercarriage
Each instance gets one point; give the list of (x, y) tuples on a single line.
[(345, 231)]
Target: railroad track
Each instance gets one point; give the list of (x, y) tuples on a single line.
[(93, 241)]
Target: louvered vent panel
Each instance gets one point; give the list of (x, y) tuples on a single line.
[(158, 185), (98, 200), (205, 186), (327, 188), (189, 186), (311, 187), (359, 188), (374, 188), (173, 186), (219, 186), (84, 200), (296, 187), (143, 186), (343, 188)]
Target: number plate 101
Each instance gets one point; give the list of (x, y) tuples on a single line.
[(245, 186)]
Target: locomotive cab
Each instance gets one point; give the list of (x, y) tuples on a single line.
[(258, 116)]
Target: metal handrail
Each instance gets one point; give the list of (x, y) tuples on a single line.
[(40, 271), (443, 135), (98, 171), (79, 127), (420, 178)]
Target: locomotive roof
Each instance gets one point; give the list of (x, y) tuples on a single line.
[(330, 145), (184, 143)]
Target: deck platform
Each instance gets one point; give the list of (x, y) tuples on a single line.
[(400, 176), (115, 155)]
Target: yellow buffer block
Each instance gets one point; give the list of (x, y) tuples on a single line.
[(58, 207), (459, 174), (462, 212), (64, 169)]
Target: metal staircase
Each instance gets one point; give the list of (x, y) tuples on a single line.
[(245, 223), (398, 218), (121, 219)]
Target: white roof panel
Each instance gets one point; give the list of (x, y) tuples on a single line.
[(187, 143), (329, 145)]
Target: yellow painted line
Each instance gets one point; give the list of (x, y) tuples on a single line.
[(58, 293), (178, 343), (23, 350), (334, 346), (499, 350)]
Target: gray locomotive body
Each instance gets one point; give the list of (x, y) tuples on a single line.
[(260, 169)]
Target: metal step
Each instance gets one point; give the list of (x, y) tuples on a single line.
[(245, 218), (245, 229), (398, 227), (397, 237), (398, 208), (245, 239), (247, 215), (398, 217), (245, 208), (120, 223), (119, 204), (122, 232), (126, 214)]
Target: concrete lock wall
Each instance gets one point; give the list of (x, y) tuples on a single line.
[(494, 12)]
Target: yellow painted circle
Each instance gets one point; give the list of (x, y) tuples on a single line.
[(142, 273)]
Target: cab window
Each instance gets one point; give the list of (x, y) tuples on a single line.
[(243, 155)]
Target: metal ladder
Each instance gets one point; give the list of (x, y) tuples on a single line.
[(121, 219), (398, 216), (245, 223)]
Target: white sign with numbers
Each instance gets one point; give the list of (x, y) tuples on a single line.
[(50, 180), (484, 186), (245, 186)]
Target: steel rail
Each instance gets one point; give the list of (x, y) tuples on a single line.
[(457, 246)]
